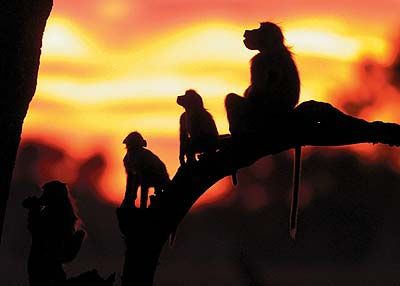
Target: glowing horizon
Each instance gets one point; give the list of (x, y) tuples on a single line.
[(92, 87)]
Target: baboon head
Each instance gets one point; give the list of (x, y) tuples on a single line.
[(54, 192), (268, 36), (134, 140), (191, 100)]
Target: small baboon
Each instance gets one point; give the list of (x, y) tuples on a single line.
[(272, 95), (198, 132), (143, 168), (55, 240)]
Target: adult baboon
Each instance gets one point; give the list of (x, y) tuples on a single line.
[(272, 95), (274, 86)]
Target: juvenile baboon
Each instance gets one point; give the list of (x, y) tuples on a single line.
[(198, 132), (143, 168), (273, 93), (55, 239)]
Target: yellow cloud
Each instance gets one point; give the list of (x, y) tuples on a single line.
[(333, 38), (63, 40), (78, 102)]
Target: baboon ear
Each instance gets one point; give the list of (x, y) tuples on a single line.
[(144, 143)]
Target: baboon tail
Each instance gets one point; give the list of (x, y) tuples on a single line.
[(234, 178), (295, 195), (172, 237)]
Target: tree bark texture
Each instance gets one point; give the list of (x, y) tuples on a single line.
[(22, 24)]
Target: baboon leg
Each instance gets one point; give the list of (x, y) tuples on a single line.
[(132, 185), (143, 198), (191, 153), (236, 109), (131, 196), (157, 190)]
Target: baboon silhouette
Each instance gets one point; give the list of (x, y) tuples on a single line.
[(274, 86), (143, 168), (272, 95), (55, 240), (198, 132)]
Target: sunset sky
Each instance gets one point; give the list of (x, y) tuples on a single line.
[(109, 67)]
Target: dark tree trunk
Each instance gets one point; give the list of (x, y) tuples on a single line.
[(22, 23), (313, 123)]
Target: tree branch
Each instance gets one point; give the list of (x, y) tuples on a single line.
[(312, 123)]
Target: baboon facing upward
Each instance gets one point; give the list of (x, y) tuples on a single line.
[(274, 86), (143, 168), (272, 95), (198, 132)]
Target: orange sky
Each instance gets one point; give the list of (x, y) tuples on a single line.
[(111, 67)]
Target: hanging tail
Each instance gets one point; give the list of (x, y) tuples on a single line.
[(234, 178), (295, 195), (172, 237)]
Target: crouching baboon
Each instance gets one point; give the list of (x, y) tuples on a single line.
[(55, 239), (198, 132), (272, 95), (143, 168)]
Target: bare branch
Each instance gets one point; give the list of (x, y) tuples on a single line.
[(312, 123)]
